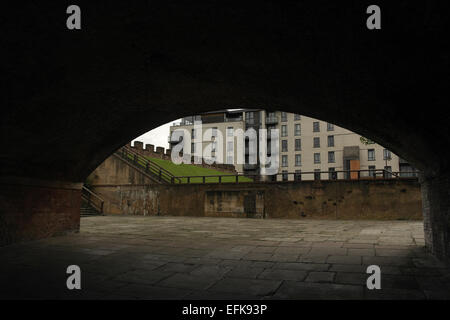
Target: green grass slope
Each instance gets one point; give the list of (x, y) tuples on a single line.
[(191, 170)]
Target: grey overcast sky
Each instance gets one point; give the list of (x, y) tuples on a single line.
[(157, 136)]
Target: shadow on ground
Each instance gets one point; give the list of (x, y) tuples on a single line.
[(123, 257)]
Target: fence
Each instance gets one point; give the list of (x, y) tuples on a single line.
[(296, 176)]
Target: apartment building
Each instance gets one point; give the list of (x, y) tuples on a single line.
[(308, 148), (225, 121)]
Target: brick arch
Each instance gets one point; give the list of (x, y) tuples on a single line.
[(74, 97)]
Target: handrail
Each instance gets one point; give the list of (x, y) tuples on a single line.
[(376, 172), (88, 198), (145, 164)]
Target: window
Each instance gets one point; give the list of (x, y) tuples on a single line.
[(331, 157), (284, 131), (298, 160), (316, 157), (387, 154), (230, 131), (283, 116), (316, 142), (298, 144), (332, 174), (316, 174), (330, 141), (193, 134), (297, 129), (229, 159), (330, 127), (371, 154), (192, 147), (284, 161), (316, 126), (298, 175), (371, 171), (296, 117), (214, 132), (284, 145), (230, 146), (214, 146), (285, 175)]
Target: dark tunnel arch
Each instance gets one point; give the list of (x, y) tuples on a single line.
[(74, 97)]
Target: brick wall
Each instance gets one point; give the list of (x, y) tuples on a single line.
[(35, 212), (377, 199)]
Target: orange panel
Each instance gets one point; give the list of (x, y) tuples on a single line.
[(354, 165)]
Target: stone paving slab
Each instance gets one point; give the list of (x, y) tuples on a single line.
[(133, 257)]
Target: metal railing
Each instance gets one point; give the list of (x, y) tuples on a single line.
[(297, 176), (223, 178), (92, 199), (149, 167)]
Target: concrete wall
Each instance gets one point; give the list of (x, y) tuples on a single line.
[(116, 171), (379, 199)]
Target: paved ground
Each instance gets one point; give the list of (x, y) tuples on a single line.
[(226, 258)]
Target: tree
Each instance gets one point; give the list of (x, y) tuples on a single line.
[(366, 141)]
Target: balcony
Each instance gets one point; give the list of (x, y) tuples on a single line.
[(272, 120)]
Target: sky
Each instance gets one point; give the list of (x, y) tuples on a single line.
[(158, 136)]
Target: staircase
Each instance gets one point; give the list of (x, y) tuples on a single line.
[(88, 211), (152, 170), (91, 203)]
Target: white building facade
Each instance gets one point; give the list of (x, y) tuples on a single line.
[(308, 148)]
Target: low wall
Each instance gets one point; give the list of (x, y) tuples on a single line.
[(115, 171), (345, 199)]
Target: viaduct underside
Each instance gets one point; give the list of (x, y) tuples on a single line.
[(73, 97)]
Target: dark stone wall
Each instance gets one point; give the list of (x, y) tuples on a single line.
[(436, 212), (30, 212), (370, 199)]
